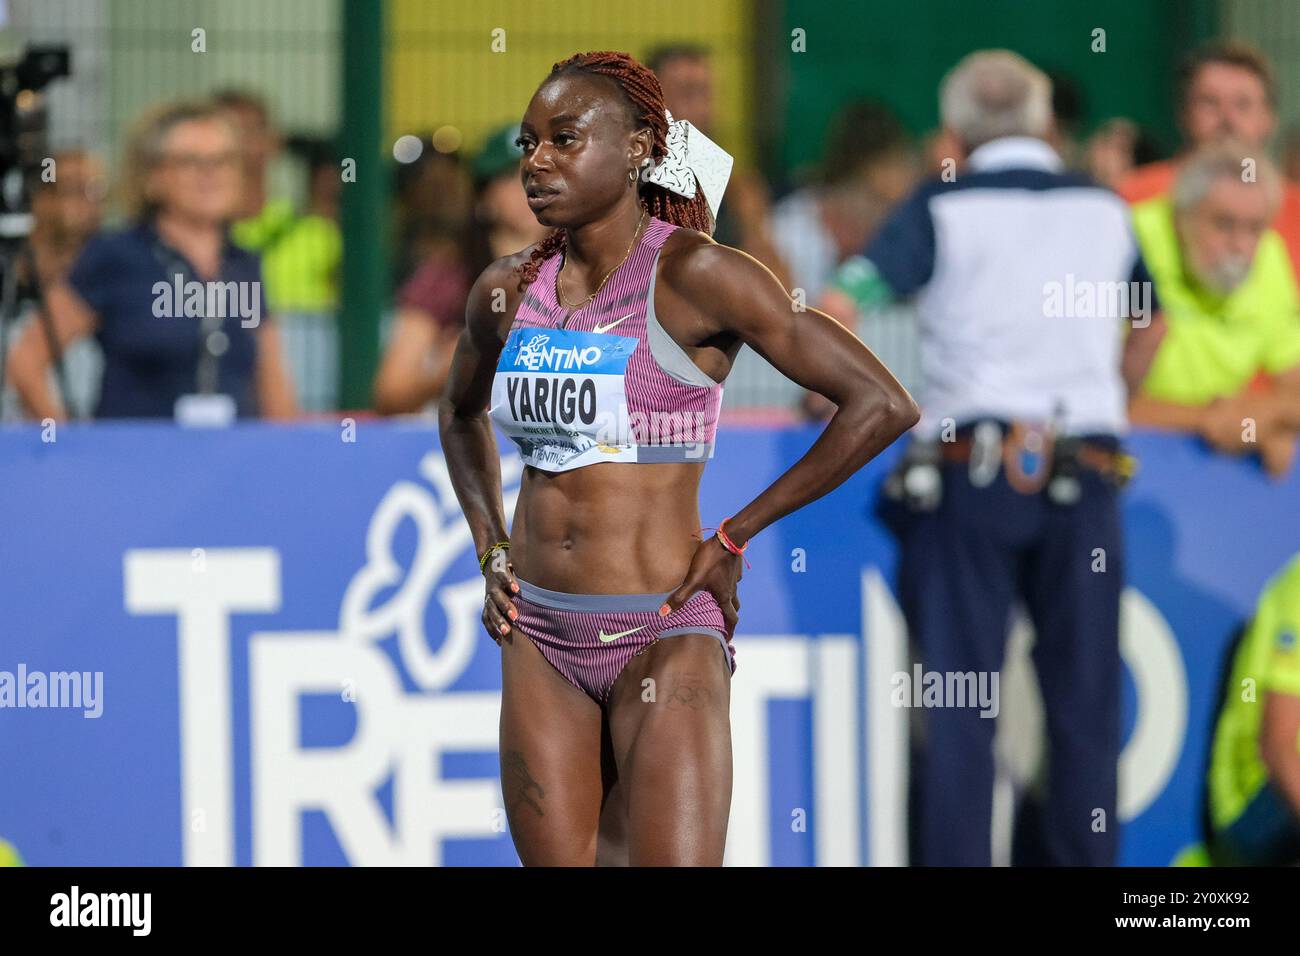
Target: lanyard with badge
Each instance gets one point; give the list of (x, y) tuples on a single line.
[(205, 406)]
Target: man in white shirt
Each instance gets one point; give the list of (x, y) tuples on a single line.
[(1034, 307)]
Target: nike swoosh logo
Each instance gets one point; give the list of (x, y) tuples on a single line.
[(614, 637), (605, 328)]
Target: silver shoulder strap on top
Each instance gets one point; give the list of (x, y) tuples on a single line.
[(672, 358)]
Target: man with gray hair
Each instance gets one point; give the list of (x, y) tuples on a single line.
[(1228, 367), (1025, 278), (995, 93)]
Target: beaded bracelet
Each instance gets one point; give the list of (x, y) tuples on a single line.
[(482, 562)]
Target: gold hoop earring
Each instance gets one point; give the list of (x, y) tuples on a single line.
[(631, 177)]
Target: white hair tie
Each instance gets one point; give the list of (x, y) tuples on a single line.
[(693, 161)]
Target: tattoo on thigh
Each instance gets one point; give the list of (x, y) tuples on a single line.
[(518, 785), (688, 690)]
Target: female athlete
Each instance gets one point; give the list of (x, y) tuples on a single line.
[(601, 352)]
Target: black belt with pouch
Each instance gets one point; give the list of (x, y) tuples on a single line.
[(1032, 457)]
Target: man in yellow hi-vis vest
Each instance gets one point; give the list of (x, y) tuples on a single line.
[(1228, 367), (1255, 767)]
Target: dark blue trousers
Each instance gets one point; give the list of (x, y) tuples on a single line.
[(961, 568)]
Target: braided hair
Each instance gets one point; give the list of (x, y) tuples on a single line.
[(645, 101)]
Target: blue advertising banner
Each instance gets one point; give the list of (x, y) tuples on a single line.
[(262, 645)]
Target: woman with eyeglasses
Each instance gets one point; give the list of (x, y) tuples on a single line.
[(177, 309)]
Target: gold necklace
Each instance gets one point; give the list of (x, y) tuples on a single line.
[(559, 295)]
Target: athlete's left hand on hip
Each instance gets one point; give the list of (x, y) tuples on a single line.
[(713, 569)]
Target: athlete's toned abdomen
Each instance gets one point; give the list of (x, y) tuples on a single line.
[(610, 528), (614, 424)]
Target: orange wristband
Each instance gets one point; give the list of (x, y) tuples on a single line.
[(725, 540)]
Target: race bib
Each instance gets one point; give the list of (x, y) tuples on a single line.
[(559, 395)]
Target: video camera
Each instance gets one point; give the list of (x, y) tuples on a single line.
[(23, 130)]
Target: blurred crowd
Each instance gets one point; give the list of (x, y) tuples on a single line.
[(194, 187), (193, 195)]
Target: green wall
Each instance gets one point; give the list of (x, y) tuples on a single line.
[(898, 52)]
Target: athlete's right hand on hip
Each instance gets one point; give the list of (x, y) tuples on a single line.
[(498, 609)]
